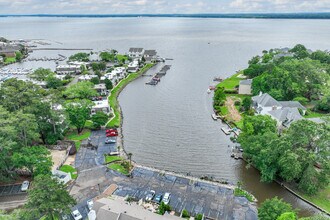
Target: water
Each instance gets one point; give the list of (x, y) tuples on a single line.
[(169, 126)]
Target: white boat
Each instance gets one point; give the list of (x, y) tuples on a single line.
[(214, 117), (226, 131), (208, 91)]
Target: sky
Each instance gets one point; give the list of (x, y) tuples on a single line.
[(160, 6)]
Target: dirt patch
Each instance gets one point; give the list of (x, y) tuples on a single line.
[(57, 157), (233, 113)]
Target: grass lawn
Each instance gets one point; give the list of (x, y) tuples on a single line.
[(115, 121), (118, 167), (322, 199), (239, 124), (73, 136), (231, 82), (311, 114), (69, 169), (10, 60), (120, 57), (109, 159), (241, 192), (224, 110)]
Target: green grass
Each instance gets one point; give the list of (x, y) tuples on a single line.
[(110, 159), (69, 169), (118, 167), (322, 199), (113, 102), (73, 136), (224, 110), (239, 124), (241, 192), (120, 57), (311, 114), (9, 60), (231, 82)]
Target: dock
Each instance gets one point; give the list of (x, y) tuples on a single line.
[(214, 116), (226, 130), (156, 78)]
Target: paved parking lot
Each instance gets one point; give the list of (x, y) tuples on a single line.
[(11, 190), (215, 201)]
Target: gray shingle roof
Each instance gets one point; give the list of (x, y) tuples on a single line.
[(245, 82), (265, 100), (135, 50), (150, 52), (286, 115), (292, 104)]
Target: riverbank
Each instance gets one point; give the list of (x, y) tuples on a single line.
[(115, 121)]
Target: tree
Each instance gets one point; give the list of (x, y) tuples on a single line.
[(78, 112), (163, 208), (95, 80), (84, 57), (98, 66), (288, 216), (26, 128), (247, 102), (219, 96), (18, 55), (48, 197), (108, 84), (42, 74), (324, 104), (36, 159), (53, 82), (99, 119), (290, 166), (316, 217), (273, 208), (259, 124), (106, 56), (80, 90)]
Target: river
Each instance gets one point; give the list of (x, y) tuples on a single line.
[(169, 126)]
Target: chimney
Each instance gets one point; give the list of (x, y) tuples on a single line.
[(260, 93)]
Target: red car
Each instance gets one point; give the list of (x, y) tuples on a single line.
[(111, 130), (112, 134)]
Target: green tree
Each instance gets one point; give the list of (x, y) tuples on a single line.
[(288, 216), (199, 216), (300, 51), (84, 57), (48, 197), (42, 74), (26, 128), (108, 84), (324, 104), (163, 208), (80, 90), (53, 82), (36, 159), (219, 96), (247, 102), (259, 124), (106, 56), (98, 66), (273, 208), (95, 80), (290, 166), (78, 112), (18, 56), (99, 119)]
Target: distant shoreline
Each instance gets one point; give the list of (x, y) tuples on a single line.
[(320, 15)]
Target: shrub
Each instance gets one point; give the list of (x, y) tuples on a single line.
[(185, 214), (199, 216), (163, 208)]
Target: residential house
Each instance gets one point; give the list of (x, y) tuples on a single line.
[(101, 89), (135, 52), (101, 105), (68, 69), (150, 56), (86, 77), (284, 112), (119, 209), (63, 177), (9, 50), (95, 57), (245, 87), (133, 67)]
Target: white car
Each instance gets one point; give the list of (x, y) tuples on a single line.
[(166, 198), (150, 196), (90, 204), (76, 215), (25, 186)]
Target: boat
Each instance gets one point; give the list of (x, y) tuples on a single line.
[(214, 117), (217, 79), (208, 91), (226, 131)]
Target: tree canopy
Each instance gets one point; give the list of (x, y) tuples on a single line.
[(272, 209), (80, 90)]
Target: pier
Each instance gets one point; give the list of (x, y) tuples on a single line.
[(49, 48), (156, 78)]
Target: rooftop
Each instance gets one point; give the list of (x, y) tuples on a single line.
[(135, 50), (292, 104), (100, 86), (265, 100), (150, 52), (245, 82), (286, 115)]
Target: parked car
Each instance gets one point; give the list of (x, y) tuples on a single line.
[(158, 198), (110, 141), (111, 130), (150, 196), (76, 215), (25, 186), (166, 198), (90, 204), (112, 134)]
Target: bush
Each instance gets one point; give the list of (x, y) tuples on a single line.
[(199, 216), (302, 100), (163, 208), (185, 214), (237, 102)]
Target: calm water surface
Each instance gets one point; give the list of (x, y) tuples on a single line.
[(169, 126)]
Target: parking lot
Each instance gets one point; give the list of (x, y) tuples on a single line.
[(215, 201)]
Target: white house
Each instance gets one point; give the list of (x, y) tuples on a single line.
[(135, 52), (245, 87), (133, 66), (150, 55), (68, 69), (86, 77), (101, 105), (101, 89)]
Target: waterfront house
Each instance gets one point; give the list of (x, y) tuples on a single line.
[(86, 77), (245, 87), (135, 52), (9, 50), (150, 56), (284, 112), (101, 89), (68, 69), (94, 57), (133, 66), (101, 105)]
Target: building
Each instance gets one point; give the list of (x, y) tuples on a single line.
[(133, 67), (101, 105), (284, 112), (63, 177), (135, 52), (9, 50), (101, 89), (119, 209), (86, 77), (245, 87), (68, 69), (150, 55)]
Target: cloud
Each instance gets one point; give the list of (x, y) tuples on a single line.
[(160, 6)]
